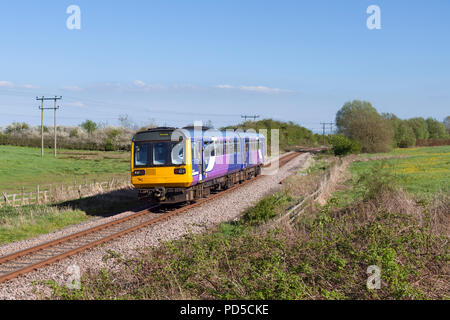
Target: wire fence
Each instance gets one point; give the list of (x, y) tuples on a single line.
[(318, 196)]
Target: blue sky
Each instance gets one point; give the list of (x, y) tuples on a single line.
[(173, 62)]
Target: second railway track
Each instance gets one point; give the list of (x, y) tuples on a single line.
[(28, 260)]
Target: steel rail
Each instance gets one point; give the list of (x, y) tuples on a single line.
[(78, 235)]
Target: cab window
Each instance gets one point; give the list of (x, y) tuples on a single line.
[(160, 152), (141, 155)]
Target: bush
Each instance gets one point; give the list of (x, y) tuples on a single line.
[(343, 145), (266, 209), (109, 146)]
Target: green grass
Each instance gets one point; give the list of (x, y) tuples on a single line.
[(23, 223), (24, 167), (422, 172)]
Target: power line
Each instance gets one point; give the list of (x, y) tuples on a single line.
[(110, 105), (250, 117)]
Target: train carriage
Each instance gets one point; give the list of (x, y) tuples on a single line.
[(172, 165)]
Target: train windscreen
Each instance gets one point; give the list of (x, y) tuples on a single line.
[(158, 154)]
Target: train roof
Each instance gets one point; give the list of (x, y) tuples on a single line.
[(163, 133)]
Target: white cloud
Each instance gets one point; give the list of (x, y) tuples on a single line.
[(78, 104), (72, 88), (138, 84), (6, 84), (9, 84), (224, 86), (142, 86), (30, 86), (261, 89)]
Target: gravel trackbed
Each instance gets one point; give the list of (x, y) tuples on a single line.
[(226, 208)]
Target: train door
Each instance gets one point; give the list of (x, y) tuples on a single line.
[(260, 150), (203, 161), (197, 159), (235, 152), (247, 152)]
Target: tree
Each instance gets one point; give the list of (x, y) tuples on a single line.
[(90, 126), (360, 121), (126, 122), (17, 127), (73, 133), (436, 129), (420, 128), (209, 124), (404, 135), (447, 124)]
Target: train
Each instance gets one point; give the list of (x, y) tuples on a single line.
[(175, 165)]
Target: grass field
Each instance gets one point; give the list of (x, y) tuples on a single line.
[(420, 171), (24, 167)]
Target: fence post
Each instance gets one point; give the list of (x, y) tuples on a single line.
[(7, 202), (23, 196)]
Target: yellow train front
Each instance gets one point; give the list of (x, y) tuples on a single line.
[(156, 172)]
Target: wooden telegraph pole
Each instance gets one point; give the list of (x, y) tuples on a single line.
[(324, 125), (42, 120)]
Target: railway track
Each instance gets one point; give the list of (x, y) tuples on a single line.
[(28, 260)]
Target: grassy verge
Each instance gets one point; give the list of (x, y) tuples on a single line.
[(326, 255), (23, 223), (24, 167)]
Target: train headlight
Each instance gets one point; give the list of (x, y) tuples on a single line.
[(139, 172), (180, 171)]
